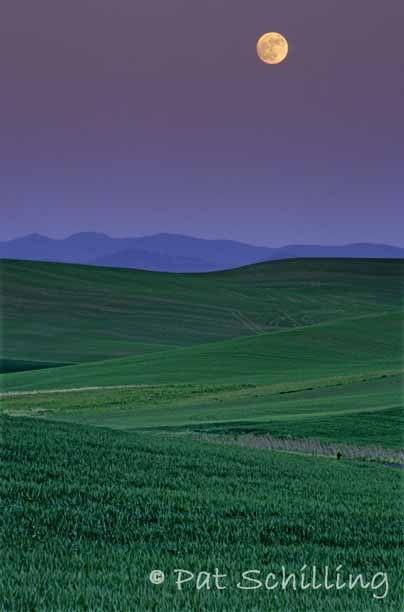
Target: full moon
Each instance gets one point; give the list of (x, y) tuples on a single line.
[(272, 48)]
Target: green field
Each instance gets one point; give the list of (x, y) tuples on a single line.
[(89, 513), (356, 346), (152, 448), (71, 313), (361, 412)]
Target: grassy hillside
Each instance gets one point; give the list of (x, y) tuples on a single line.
[(103, 485), (88, 514), (357, 346), (364, 412), (71, 313)]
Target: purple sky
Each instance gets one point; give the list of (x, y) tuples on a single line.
[(141, 116)]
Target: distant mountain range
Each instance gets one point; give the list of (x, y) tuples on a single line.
[(174, 252)]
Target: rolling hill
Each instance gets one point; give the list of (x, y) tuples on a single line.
[(179, 453), (358, 347), (65, 313)]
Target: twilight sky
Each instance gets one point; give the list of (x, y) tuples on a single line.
[(135, 117)]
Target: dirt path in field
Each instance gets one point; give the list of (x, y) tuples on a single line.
[(248, 324), (72, 390), (311, 446)]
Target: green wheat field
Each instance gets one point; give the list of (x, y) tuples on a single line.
[(160, 421)]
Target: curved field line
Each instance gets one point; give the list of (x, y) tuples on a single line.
[(6, 394), (289, 417)]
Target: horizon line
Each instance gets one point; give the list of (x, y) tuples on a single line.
[(133, 237)]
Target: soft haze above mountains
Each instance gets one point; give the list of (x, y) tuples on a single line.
[(158, 114), (173, 252)]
